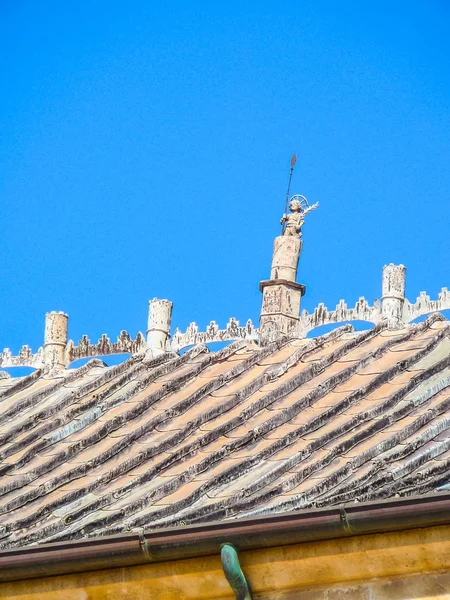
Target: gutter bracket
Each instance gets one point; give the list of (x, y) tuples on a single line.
[(144, 546), (233, 572), (345, 521)]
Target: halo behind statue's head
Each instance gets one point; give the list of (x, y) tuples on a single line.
[(302, 204)]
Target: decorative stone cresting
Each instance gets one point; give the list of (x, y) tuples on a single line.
[(192, 336), (125, 344), (25, 358), (423, 305), (394, 308), (362, 311)]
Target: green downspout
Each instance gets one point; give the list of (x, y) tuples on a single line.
[(233, 572)]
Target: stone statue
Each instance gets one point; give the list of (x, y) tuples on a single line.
[(293, 223)]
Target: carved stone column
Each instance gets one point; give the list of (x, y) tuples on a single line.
[(393, 295), (158, 331), (55, 341), (281, 294), (286, 254)]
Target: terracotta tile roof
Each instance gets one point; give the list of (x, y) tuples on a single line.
[(204, 436)]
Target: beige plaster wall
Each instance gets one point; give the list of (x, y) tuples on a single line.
[(422, 586)]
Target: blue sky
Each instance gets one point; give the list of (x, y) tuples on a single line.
[(145, 152)]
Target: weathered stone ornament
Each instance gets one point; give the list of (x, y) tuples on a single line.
[(292, 224), (125, 344), (280, 311), (192, 336)]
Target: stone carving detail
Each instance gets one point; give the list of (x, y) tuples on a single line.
[(292, 224), (193, 336), (125, 344), (423, 305), (272, 300), (25, 358), (393, 306), (362, 311)]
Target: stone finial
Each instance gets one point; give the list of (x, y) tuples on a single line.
[(55, 341), (393, 295), (158, 331), (280, 311), (280, 308)]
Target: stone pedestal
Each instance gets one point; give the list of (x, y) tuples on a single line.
[(158, 331), (280, 308), (393, 295), (281, 294), (55, 340)]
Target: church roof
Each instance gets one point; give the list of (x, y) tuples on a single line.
[(248, 430)]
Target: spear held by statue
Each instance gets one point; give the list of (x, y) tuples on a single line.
[(292, 224)]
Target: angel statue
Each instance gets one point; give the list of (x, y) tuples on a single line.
[(293, 223)]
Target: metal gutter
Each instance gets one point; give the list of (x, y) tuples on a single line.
[(244, 534)]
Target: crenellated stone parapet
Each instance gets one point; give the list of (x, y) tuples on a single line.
[(399, 312), (232, 332), (424, 305), (279, 308), (362, 311), (125, 344), (25, 358)]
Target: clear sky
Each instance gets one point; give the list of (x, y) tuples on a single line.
[(145, 152)]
